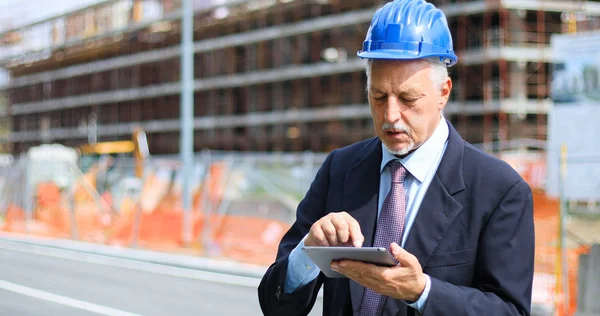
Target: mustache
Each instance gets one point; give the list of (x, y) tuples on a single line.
[(396, 127)]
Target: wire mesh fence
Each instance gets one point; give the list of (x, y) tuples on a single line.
[(242, 204)]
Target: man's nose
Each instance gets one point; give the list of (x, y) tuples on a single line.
[(393, 111)]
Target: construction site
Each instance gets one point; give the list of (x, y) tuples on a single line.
[(90, 119), (269, 75)]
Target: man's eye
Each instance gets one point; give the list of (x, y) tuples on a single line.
[(380, 98)]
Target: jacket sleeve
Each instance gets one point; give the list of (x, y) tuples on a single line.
[(273, 300), (503, 273)]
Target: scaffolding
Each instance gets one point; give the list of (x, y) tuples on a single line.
[(269, 75)]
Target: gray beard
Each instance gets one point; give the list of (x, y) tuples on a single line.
[(403, 151)]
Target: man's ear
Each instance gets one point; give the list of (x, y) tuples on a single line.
[(445, 93)]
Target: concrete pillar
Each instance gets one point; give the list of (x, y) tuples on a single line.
[(517, 80)]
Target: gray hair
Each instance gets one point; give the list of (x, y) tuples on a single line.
[(439, 72)]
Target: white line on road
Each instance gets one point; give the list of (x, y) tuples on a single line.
[(132, 264), (63, 300)]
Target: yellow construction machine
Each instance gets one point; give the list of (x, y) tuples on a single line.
[(138, 145)]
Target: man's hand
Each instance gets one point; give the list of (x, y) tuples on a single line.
[(335, 229), (405, 281)]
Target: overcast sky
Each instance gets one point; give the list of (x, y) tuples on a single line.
[(17, 12)]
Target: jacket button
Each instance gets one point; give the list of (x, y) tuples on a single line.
[(278, 293)]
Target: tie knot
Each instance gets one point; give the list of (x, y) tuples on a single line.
[(398, 171)]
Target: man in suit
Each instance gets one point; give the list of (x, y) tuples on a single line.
[(458, 221)]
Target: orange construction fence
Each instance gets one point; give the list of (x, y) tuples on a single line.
[(157, 223), (548, 284)]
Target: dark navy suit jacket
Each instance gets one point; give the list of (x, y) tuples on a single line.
[(473, 235)]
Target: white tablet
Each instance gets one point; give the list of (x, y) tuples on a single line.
[(322, 257)]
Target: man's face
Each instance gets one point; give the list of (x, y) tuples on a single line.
[(405, 103)]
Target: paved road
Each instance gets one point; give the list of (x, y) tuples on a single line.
[(37, 280)]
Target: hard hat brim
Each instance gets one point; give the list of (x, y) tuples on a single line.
[(450, 59)]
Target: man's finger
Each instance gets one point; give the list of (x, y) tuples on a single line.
[(355, 265), (330, 233), (405, 258), (318, 236), (341, 227), (360, 271), (354, 228)]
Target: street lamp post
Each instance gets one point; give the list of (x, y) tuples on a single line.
[(186, 147)]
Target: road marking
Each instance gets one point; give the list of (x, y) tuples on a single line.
[(63, 300), (132, 264)]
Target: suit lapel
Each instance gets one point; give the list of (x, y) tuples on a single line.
[(437, 211), (360, 199), (439, 208)]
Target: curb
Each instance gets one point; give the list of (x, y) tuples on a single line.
[(163, 258)]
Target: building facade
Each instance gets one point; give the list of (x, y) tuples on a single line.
[(270, 75)]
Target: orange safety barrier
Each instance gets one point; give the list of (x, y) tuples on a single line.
[(548, 288), (52, 216), (159, 229), (15, 217), (250, 239), (245, 238), (48, 220), (49, 210)]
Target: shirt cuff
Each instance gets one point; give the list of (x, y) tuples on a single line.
[(420, 303), (301, 269)]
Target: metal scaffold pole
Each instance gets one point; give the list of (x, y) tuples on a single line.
[(563, 270), (186, 147)]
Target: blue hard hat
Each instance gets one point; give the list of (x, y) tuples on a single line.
[(409, 29)]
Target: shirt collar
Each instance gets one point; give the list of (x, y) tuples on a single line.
[(419, 162)]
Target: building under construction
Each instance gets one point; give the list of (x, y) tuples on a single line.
[(270, 75)]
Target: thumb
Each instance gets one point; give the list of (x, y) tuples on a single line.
[(400, 254)]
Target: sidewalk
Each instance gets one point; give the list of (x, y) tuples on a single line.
[(175, 260)]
